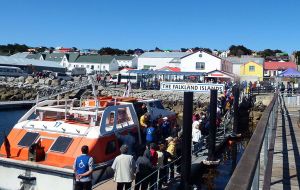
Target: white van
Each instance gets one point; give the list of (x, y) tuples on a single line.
[(125, 77)]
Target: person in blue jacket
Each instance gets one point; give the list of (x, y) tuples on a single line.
[(83, 168), (150, 134)]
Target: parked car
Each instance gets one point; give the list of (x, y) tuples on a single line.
[(78, 71), (60, 76)]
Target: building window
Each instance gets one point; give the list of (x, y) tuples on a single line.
[(251, 68), (274, 73), (82, 65), (92, 67), (88, 66), (200, 55), (98, 66), (200, 65)]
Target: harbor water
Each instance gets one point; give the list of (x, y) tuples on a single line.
[(8, 118)]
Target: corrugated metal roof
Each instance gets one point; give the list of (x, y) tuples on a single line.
[(57, 57), (246, 59), (72, 57), (94, 59), (20, 55), (124, 57), (9, 60), (273, 65), (164, 54)]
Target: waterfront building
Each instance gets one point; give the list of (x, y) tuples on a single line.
[(127, 61), (251, 71), (96, 63), (31, 65), (157, 60), (272, 69), (202, 61), (64, 59), (238, 61), (199, 61)]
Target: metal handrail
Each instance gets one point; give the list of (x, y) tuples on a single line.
[(248, 166)]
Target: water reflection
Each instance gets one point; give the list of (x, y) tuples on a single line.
[(217, 177)]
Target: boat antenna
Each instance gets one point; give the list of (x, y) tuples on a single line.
[(36, 103)]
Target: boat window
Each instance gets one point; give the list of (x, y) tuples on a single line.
[(28, 139), (124, 116), (110, 121), (61, 144), (156, 104), (111, 147)]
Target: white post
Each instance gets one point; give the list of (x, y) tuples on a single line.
[(65, 108)]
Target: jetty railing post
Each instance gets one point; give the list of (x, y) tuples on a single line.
[(212, 125), (187, 142), (235, 109)]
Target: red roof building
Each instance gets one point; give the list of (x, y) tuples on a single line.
[(272, 69)]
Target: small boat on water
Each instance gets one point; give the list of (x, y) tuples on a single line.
[(40, 150)]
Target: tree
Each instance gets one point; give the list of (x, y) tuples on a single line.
[(13, 48), (297, 57), (42, 49), (268, 52), (183, 49), (74, 48), (130, 51), (111, 51), (239, 50)]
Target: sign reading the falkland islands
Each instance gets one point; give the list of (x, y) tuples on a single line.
[(191, 87)]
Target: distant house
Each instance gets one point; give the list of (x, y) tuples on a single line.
[(127, 61), (199, 61), (238, 61), (157, 60), (251, 71), (30, 65), (64, 59), (202, 61), (96, 63), (272, 69)]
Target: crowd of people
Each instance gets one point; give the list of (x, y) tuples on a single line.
[(143, 163), (161, 147)]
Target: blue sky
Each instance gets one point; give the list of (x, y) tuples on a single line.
[(167, 24)]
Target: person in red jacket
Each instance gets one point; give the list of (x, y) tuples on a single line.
[(153, 160)]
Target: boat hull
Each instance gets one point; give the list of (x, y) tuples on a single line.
[(27, 175), (32, 176)]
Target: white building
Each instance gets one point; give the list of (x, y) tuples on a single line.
[(204, 62), (97, 63), (127, 61), (64, 59), (199, 61), (157, 60)]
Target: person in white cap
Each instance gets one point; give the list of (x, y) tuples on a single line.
[(165, 128)]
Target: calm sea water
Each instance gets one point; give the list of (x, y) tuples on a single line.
[(8, 118)]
